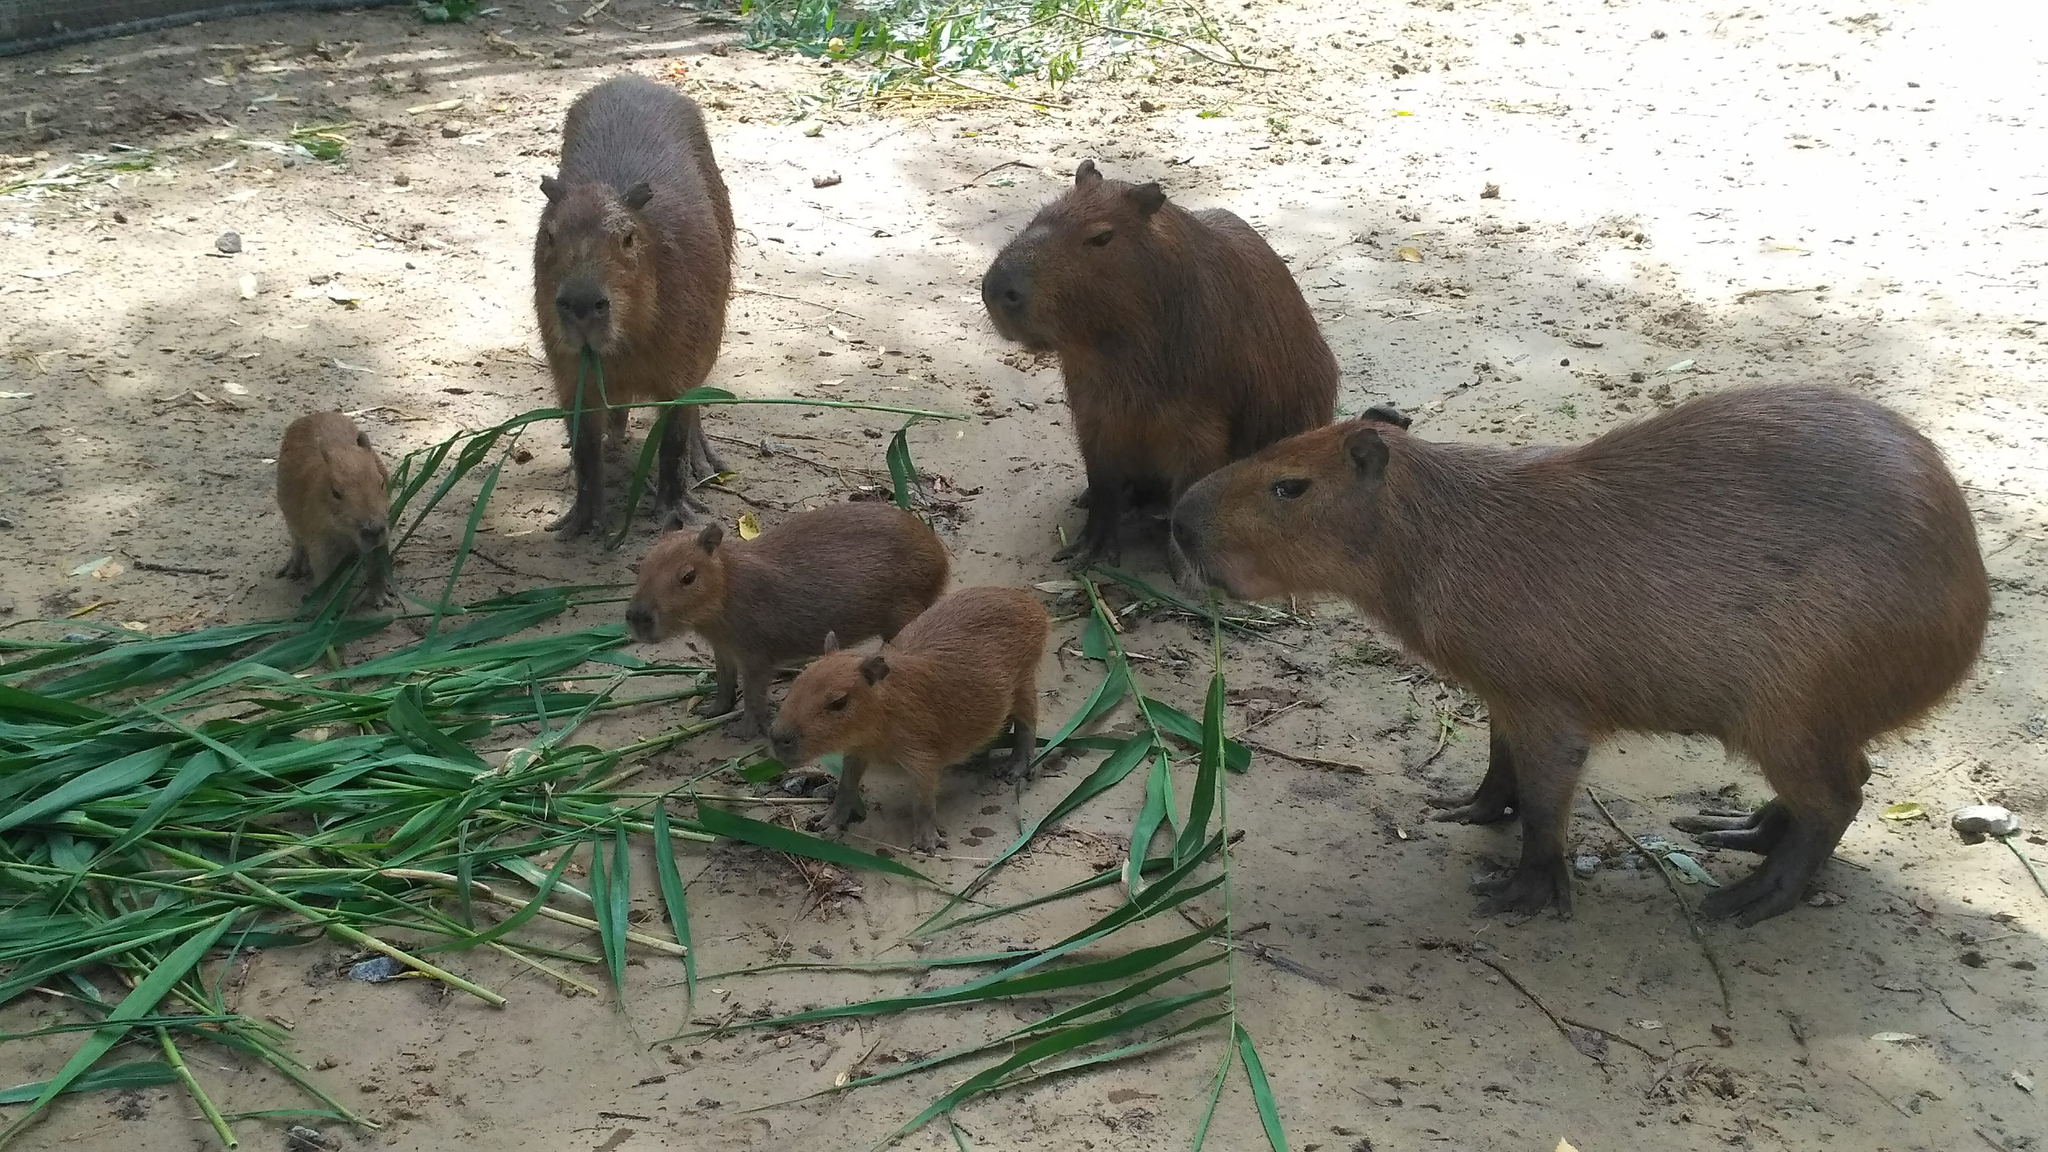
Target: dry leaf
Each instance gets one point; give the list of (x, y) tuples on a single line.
[(748, 527), (1902, 812), (1409, 253)]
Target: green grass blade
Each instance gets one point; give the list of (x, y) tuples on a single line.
[(195, 772), (1158, 798), (638, 483), (1202, 804), (476, 513), (18, 703), (719, 822), (1262, 1092), (672, 896), (902, 473), (518, 919), (1106, 696), (612, 895), (1215, 1095), (136, 1004), (106, 780), (140, 1074), (1180, 725)]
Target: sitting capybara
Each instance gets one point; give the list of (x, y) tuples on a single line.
[(856, 570), (1789, 569), (633, 264), (330, 486), (1182, 337), (944, 687)]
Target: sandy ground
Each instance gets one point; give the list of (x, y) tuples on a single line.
[(1690, 196)]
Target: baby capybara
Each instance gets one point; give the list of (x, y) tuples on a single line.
[(1789, 569), (633, 263), (1182, 338), (943, 688), (857, 569), (330, 486)]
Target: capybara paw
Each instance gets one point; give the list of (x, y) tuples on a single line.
[(376, 597), (930, 841), (747, 727), (1757, 831), (1015, 768), (1527, 891), (578, 521), (1769, 891), (1086, 497), (1470, 809), (837, 817), (296, 568)]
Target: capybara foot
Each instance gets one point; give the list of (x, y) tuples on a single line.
[(846, 809), (704, 460), (1084, 552), (929, 840), (1478, 808), (579, 520), (1776, 885), (716, 704), (1758, 831), (1086, 497), (376, 596), (298, 567), (1527, 890), (747, 727)]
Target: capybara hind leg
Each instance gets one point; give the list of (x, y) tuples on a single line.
[(615, 430), (1819, 796), (1495, 800), (1757, 831), (1547, 775), (1082, 501), (847, 806), (1023, 747), (586, 454), (671, 485), (925, 835), (299, 566), (1099, 538), (704, 460)]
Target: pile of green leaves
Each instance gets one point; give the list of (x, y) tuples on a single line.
[(919, 42)]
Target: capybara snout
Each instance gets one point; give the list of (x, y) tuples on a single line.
[(1003, 289)]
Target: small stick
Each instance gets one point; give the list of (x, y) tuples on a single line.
[(372, 229), (1154, 36), (1753, 293), (997, 168), (479, 888), (1268, 718), (1986, 1137), (175, 569), (1901, 1109), (799, 300), (1564, 1026), (2024, 863), (1311, 761), (1691, 924)]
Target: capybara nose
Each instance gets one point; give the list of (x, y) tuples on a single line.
[(1002, 290), (640, 619), (582, 302), (783, 745), (373, 533)]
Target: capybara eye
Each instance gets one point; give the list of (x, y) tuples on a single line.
[(626, 240), (1290, 488), (1101, 238), (836, 704), (335, 492), (689, 577)]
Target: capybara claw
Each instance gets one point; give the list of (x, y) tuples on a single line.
[(1526, 891), (577, 521), (1468, 810)]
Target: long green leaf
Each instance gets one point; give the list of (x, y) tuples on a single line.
[(1203, 803), (672, 896), (719, 822), (612, 895), (1262, 1092), (1177, 723), (136, 1004), (1158, 797), (195, 772), (1215, 1094), (140, 1074), (105, 780)]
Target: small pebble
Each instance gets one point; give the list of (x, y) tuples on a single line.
[(401, 179), (453, 128), (1586, 865), (229, 242), (375, 970), (78, 637), (825, 180), (1984, 820)]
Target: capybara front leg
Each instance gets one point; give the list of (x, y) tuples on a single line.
[(586, 454), (847, 806), (1758, 831), (672, 488), (1819, 798), (1547, 772), (1495, 800), (705, 462)]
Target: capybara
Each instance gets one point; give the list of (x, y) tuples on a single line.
[(856, 570), (943, 688), (633, 263), (1182, 337), (1789, 569), (330, 486)]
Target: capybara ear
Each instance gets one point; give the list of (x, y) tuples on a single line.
[(1085, 173), (874, 668), (831, 642), (1388, 414), (1368, 452), (708, 539), (362, 439), (1149, 198), (638, 195), (551, 188)]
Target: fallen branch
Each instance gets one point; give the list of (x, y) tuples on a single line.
[(174, 569), (1564, 1026), (997, 168), (1312, 761), (1691, 924), (799, 300)]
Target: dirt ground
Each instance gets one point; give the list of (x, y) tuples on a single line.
[(1689, 196)]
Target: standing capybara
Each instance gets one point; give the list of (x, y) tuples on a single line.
[(944, 687), (1791, 570), (855, 570), (1181, 335), (632, 265), (330, 486)]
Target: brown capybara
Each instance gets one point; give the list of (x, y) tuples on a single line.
[(1182, 337), (943, 688), (1789, 569), (855, 570), (330, 486), (633, 263)]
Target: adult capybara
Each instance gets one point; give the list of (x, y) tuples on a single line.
[(857, 569), (944, 687), (1789, 569), (1181, 335), (633, 264), (330, 486)]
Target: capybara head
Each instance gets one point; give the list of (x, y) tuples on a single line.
[(1087, 262), (833, 704), (355, 494), (595, 254), (681, 584), (1299, 516)]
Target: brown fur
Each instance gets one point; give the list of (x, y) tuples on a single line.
[(1792, 570), (945, 687), (857, 569), (330, 486), (633, 260), (1183, 339)]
